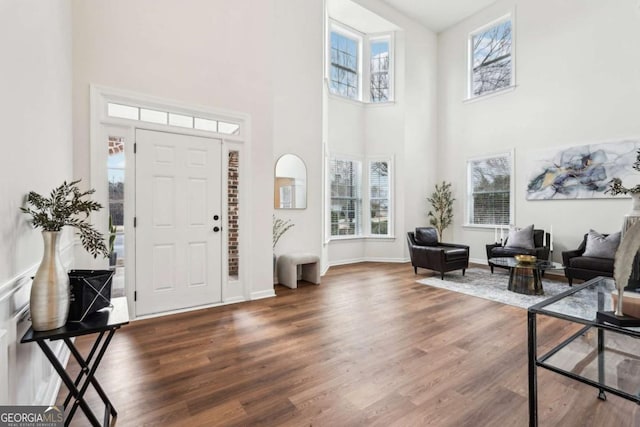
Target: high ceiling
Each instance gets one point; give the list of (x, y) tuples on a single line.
[(438, 15)]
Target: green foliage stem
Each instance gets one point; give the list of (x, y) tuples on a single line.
[(67, 206), (441, 200)]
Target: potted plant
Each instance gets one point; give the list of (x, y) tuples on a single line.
[(442, 202), (66, 206)]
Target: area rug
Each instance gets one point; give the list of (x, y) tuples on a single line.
[(481, 283)]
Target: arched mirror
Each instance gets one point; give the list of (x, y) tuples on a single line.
[(290, 183)]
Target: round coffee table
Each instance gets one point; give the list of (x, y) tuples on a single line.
[(526, 278)]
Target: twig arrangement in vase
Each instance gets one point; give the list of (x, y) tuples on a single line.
[(280, 226), (66, 206)]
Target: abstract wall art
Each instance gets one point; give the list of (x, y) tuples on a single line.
[(580, 172)]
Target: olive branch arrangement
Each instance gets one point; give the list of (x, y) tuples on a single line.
[(66, 206), (442, 201)]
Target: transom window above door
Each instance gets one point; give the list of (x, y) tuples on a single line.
[(169, 118)]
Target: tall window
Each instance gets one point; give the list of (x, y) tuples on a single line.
[(344, 74), (379, 198), (115, 172), (490, 62), (360, 66), (346, 199), (379, 70), (490, 193)]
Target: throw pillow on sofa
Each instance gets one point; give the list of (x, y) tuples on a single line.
[(521, 238), (599, 246)]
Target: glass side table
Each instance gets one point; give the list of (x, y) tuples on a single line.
[(602, 355)]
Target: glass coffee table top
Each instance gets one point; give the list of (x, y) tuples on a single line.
[(511, 262), (525, 277)]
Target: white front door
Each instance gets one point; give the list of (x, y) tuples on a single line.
[(178, 221)]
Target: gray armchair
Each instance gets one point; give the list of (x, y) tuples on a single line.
[(426, 252)]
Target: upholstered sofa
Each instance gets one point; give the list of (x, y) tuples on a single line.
[(540, 249), (427, 252), (582, 267)]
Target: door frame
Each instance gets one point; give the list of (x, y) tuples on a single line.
[(102, 126)]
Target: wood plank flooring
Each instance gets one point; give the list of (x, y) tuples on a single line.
[(369, 346)]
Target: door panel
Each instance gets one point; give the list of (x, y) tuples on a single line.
[(178, 191)]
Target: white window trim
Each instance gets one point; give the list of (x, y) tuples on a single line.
[(365, 197), (470, 96), (364, 54), (352, 158), (340, 28), (469, 189), (390, 37), (390, 229), (102, 125)]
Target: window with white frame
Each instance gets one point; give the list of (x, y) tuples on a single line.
[(361, 203), (344, 74), (379, 197), (346, 197), (490, 190), (348, 72), (380, 69), (491, 65), (130, 112)]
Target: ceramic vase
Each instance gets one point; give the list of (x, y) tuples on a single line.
[(49, 302)]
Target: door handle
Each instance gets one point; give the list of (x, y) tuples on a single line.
[(216, 217), (216, 229)]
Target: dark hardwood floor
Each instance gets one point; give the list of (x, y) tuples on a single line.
[(369, 346)]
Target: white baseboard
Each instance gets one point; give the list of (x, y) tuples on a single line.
[(234, 300), (390, 260), (263, 294), (367, 259), (325, 270), (478, 261), (346, 261)]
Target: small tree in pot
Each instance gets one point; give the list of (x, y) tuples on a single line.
[(441, 200)]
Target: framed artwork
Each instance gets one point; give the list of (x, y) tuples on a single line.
[(581, 172)]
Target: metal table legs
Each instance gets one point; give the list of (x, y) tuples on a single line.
[(78, 388)]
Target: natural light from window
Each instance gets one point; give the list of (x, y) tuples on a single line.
[(344, 66), (379, 70), (491, 62), (490, 190)]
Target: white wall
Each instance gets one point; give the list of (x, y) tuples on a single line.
[(35, 112), (405, 129), (297, 115), (213, 53), (577, 65)]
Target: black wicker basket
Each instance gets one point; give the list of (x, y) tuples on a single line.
[(90, 292)]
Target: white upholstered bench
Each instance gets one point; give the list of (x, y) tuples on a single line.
[(288, 265)]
